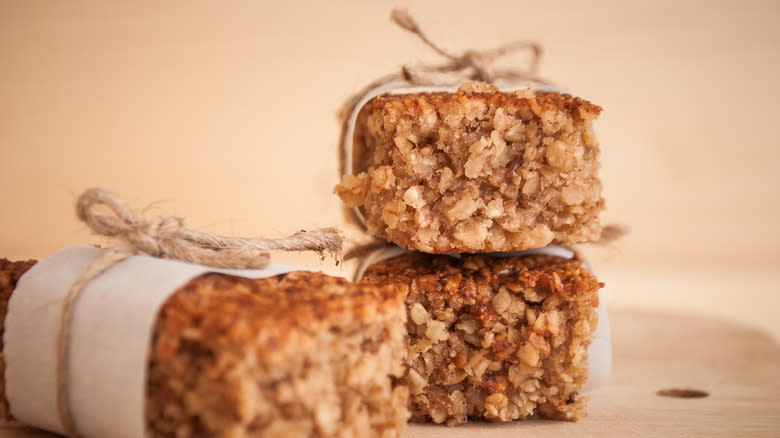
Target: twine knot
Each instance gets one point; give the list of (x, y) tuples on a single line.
[(470, 65), (166, 238)]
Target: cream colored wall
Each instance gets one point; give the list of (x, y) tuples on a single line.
[(227, 110)]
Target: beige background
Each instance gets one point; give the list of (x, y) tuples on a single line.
[(226, 111)]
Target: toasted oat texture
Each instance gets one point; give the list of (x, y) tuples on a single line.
[(494, 338), (299, 354), (477, 170)]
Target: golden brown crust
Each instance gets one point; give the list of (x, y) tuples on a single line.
[(276, 315), (478, 170), (496, 338)]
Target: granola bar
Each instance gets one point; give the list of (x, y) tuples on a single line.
[(298, 354), (496, 338), (478, 170)]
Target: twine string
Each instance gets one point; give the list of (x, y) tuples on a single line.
[(166, 238), (471, 64)]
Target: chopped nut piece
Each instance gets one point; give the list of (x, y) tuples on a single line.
[(528, 354), (436, 330), (418, 314), (494, 405)]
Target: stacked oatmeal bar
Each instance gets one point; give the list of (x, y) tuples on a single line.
[(477, 184), (478, 170)]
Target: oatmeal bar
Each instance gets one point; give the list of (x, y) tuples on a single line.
[(497, 338), (478, 170), (299, 354)]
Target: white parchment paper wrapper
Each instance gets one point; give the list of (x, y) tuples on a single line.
[(111, 330), (600, 349)]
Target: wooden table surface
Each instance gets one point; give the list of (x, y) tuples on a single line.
[(737, 367)]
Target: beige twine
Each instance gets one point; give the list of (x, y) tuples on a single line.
[(166, 238)]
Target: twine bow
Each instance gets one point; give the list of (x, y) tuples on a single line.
[(471, 64), (167, 238)]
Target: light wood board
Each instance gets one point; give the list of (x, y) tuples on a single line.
[(737, 366)]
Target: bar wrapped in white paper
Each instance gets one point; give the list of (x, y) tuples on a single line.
[(111, 327)]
